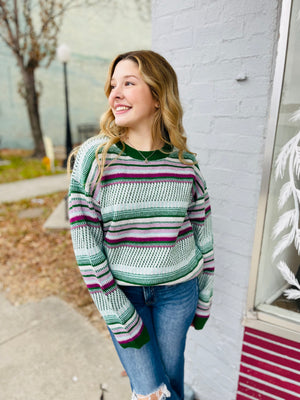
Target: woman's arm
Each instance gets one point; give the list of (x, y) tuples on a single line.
[(200, 217), (87, 236)]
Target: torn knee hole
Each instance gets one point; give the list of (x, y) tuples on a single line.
[(160, 394)]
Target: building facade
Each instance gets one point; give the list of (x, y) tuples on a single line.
[(94, 35), (238, 66)]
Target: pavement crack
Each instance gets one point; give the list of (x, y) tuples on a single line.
[(11, 338)]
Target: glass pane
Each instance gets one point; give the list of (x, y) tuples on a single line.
[(270, 283)]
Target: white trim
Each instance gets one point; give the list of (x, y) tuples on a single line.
[(265, 339), (264, 319), (268, 384), (260, 391), (263, 360), (268, 351), (273, 325)]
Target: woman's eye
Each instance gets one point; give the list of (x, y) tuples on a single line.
[(129, 83), (112, 87)]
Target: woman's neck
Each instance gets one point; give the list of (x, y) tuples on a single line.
[(142, 142)]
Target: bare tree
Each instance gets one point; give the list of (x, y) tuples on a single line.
[(30, 29)]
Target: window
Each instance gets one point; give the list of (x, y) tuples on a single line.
[(267, 284)]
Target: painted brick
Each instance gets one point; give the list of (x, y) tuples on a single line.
[(235, 8), (253, 106), (204, 124), (244, 247), (209, 34), (205, 91), (252, 87), (242, 144), (182, 58), (164, 27), (184, 75), (206, 53), (229, 38), (183, 39), (258, 66), (184, 20), (215, 107), (242, 126), (234, 161), (216, 71), (258, 7), (168, 7), (212, 13), (241, 229), (259, 23), (233, 29), (254, 45)]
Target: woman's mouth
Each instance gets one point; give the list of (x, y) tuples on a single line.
[(121, 109)]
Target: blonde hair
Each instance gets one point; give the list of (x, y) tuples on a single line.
[(167, 125)]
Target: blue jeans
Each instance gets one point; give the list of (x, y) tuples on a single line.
[(167, 311)]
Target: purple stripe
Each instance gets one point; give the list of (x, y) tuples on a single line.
[(173, 233), (103, 287), (133, 337), (152, 245), (186, 230), (83, 218), (135, 176), (205, 269)]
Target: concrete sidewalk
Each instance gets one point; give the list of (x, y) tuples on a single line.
[(47, 350), (50, 352), (27, 188)]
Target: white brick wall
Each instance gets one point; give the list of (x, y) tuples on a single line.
[(209, 43)]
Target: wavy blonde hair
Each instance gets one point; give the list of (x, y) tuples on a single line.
[(167, 125)]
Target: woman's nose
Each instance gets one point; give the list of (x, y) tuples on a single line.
[(117, 92)]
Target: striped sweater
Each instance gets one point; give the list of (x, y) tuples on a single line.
[(144, 224)]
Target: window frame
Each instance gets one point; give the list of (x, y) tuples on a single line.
[(259, 319)]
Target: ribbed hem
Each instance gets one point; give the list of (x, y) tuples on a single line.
[(199, 322), (137, 343)]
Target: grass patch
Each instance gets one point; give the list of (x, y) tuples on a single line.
[(22, 166)]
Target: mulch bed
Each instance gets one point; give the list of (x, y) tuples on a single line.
[(36, 263)]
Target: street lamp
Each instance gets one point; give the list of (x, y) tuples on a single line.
[(63, 54)]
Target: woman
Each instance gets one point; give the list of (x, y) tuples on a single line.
[(141, 225)]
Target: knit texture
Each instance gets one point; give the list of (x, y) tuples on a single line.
[(144, 224)]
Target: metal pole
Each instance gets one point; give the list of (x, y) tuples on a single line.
[(68, 129)]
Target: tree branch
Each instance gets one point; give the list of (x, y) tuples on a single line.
[(10, 40), (17, 27)]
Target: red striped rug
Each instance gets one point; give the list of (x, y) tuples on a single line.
[(270, 367)]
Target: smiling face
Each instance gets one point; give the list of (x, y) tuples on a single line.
[(131, 99)]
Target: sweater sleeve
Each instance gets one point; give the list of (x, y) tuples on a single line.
[(200, 217), (87, 237)]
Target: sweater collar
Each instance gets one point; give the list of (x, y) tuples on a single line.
[(149, 155)]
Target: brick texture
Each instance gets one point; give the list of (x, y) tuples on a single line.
[(211, 44)]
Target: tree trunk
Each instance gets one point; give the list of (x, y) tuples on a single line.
[(31, 99)]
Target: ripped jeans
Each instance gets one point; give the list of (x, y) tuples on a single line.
[(167, 311)]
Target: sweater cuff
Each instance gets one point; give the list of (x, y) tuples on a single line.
[(137, 343), (199, 322)]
